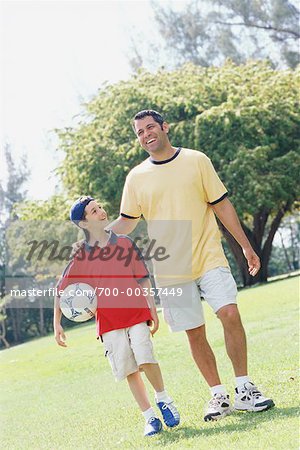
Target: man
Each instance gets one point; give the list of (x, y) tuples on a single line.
[(180, 186)]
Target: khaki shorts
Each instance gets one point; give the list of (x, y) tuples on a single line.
[(128, 348), (185, 312)]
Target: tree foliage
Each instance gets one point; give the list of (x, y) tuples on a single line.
[(10, 194), (206, 32), (245, 118)]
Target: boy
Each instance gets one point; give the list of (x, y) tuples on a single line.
[(125, 308)]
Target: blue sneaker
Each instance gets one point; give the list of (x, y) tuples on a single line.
[(170, 414), (153, 426)]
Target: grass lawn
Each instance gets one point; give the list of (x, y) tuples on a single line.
[(56, 398)]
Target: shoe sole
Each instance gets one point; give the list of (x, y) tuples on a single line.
[(253, 409), (209, 418), (152, 434), (172, 426)]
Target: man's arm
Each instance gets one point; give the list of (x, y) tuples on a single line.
[(59, 334), (123, 225), (228, 216)]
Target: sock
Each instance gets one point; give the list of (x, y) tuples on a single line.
[(218, 389), (162, 397), (240, 381), (149, 413)]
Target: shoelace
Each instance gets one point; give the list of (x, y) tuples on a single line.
[(253, 391), (173, 410), (215, 401)]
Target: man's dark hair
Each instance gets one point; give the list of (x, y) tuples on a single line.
[(146, 113)]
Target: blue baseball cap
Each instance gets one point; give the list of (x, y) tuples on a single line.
[(77, 209)]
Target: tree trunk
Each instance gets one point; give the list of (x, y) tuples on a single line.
[(267, 247), (285, 252), (238, 254), (16, 322), (3, 331), (42, 322), (256, 239)]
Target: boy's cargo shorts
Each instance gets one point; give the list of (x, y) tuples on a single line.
[(128, 348)]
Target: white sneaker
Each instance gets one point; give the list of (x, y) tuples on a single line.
[(218, 407), (249, 398)]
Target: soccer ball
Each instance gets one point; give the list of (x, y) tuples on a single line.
[(78, 302)]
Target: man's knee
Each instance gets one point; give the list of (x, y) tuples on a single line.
[(196, 334), (229, 314)]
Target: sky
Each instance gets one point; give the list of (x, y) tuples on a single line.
[(54, 56)]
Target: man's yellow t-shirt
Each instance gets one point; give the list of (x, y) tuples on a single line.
[(174, 197)]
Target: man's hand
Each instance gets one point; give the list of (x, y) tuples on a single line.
[(154, 325), (253, 260), (76, 246), (60, 336)]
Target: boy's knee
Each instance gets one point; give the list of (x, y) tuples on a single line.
[(144, 366)]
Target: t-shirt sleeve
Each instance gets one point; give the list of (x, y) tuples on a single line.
[(214, 189), (129, 204), (64, 280), (139, 268)]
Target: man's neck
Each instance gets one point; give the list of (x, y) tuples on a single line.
[(163, 154)]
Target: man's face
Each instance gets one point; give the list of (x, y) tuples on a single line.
[(151, 136), (94, 214)]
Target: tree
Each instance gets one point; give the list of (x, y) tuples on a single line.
[(245, 118), (12, 193), (206, 32)]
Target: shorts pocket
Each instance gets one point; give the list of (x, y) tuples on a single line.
[(110, 355)]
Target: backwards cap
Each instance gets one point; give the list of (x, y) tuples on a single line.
[(77, 209)]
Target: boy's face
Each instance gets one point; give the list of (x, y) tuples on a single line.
[(95, 215)]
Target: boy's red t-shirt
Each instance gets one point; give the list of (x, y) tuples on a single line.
[(115, 271)]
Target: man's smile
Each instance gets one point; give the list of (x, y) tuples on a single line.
[(150, 141)]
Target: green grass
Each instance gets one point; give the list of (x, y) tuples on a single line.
[(56, 398)]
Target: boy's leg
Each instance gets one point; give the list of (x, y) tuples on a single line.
[(137, 387), (153, 373), (164, 402), (138, 390), (142, 348)]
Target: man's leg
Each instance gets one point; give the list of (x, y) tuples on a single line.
[(185, 312), (219, 289), (219, 405), (203, 355), (235, 338), (247, 395)]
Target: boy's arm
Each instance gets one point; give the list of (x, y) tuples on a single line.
[(146, 286), (59, 334)]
